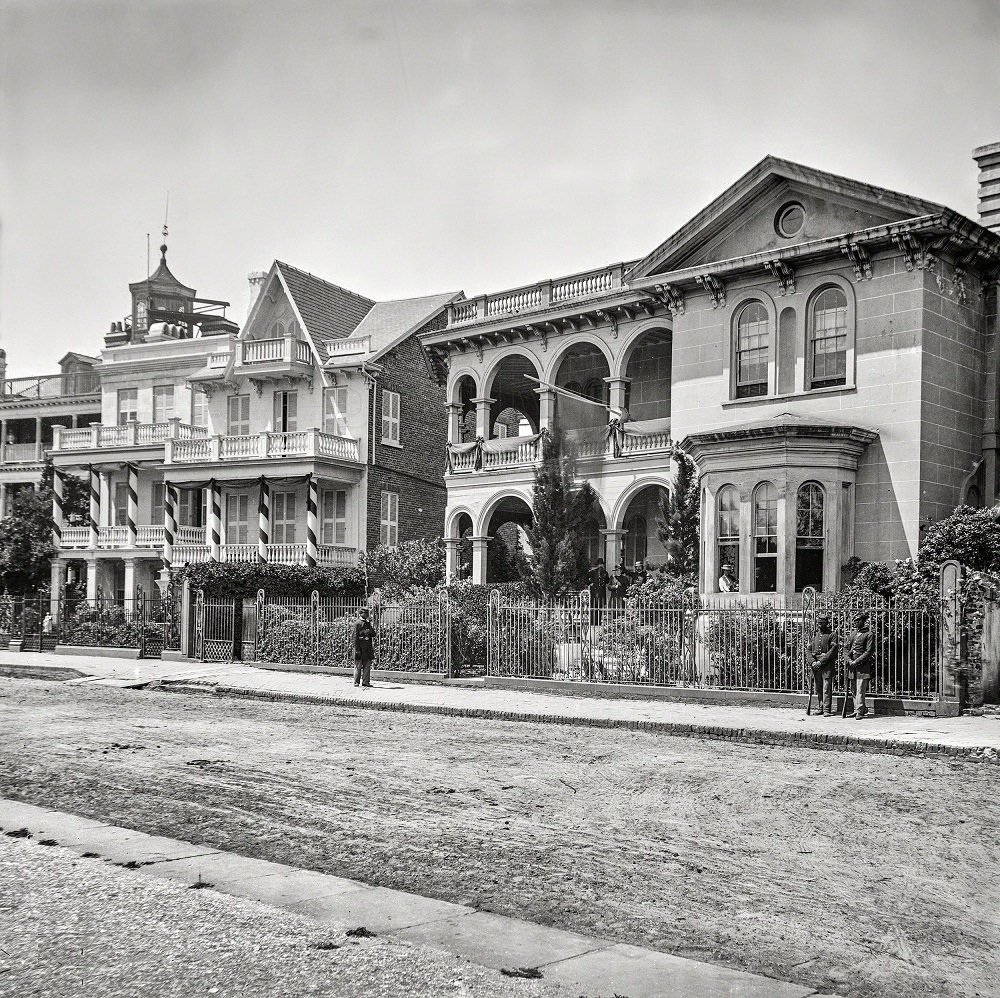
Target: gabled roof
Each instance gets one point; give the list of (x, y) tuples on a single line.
[(391, 322), (327, 311), (768, 172), (86, 358)]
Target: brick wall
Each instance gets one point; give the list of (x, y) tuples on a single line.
[(415, 469)]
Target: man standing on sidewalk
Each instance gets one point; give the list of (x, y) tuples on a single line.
[(824, 650), (860, 645), (364, 649)]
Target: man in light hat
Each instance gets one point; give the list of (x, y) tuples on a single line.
[(727, 581), (824, 650)]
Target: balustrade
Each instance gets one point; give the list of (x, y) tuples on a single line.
[(262, 351), (239, 446), (75, 537), (149, 536), (21, 453)]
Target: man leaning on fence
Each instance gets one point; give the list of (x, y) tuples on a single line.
[(824, 661), (860, 644), (364, 649)]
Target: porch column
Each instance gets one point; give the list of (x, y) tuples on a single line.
[(480, 546), (132, 510), (746, 579), (215, 521), (616, 396), (57, 579), (614, 542), (483, 417), (312, 524), (710, 569), (546, 408), (58, 488), (454, 422), (94, 482), (38, 438), (129, 592), (74, 421), (451, 545), (263, 521), (105, 503), (3, 440), (169, 524), (92, 579), (787, 494), (3, 496)]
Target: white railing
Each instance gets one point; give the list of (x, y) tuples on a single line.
[(643, 443), (21, 453), (338, 448), (149, 536), (48, 386), (76, 537), (75, 439), (189, 535), (514, 301), (465, 311), (294, 443), (239, 446), (526, 453), (463, 462), (191, 450), (262, 351), (303, 352), (591, 446), (337, 554), (239, 552), (190, 554), (130, 434), (582, 285), (112, 537), (349, 346), (188, 431), (116, 436), (151, 433)]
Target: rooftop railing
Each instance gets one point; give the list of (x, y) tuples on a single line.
[(98, 436), (50, 386), (284, 349), (539, 296)]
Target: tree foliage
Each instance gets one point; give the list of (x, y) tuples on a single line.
[(560, 511), (678, 520), (222, 579), (26, 547), (410, 565)]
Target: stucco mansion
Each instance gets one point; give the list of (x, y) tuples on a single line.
[(824, 350)]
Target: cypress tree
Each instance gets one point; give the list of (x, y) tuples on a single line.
[(678, 519)]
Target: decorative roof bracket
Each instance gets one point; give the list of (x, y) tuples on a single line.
[(612, 321), (913, 250), (672, 297), (783, 274), (859, 258), (714, 287)]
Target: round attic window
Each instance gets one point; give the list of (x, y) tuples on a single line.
[(790, 219)]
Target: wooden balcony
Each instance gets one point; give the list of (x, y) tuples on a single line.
[(149, 536), (97, 436), (264, 446)]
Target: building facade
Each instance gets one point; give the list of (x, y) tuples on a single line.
[(293, 440), (824, 350)]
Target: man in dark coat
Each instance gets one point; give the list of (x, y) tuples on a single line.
[(598, 583), (823, 649), (860, 648), (364, 649)]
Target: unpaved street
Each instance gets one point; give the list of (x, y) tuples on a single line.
[(860, 874)]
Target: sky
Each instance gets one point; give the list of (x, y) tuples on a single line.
[(408, 148)]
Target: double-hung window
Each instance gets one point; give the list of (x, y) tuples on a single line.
[(190, 507), (751, 350), (238, 415), (286, 406), (238, 518), (128, 405), (390, 417), (283, 516), (729, 532), (163, 403), (333, 528), (389, 522), (765, 538), (335, 411), (828, 340), (810, 535)]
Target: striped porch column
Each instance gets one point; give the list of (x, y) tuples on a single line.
[(169, 524), (215, 521), (132, 516), (95, 506), (263, 521), (312, 506), (58, 487)]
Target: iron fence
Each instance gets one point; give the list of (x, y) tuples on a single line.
[(708, 645), (149, 624)]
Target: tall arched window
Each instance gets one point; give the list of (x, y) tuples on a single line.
[(827, 361), (765, 538), (636, 540), (729, 531), (752, 348), (141, 314), (593, 541), (810, 536)]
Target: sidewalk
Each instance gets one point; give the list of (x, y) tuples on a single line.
[(598, 966), (970, 737)]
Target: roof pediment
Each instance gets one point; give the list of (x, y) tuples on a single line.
[(744, 219)]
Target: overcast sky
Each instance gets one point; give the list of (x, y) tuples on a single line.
[(406, 148)]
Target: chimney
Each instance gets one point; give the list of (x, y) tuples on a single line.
[(256, 279), (988, 158)]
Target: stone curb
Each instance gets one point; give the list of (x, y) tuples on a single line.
[(750, 736)]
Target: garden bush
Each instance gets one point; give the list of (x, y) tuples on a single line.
[(643, 646), (754, 649), (108, 627), (227, 579), (470, 605)]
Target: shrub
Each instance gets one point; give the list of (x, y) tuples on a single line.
[(224, 579), (336, 643), (284, 635), (642, 645), (756, 648), (410, 565), (108, 627), (470, 604)]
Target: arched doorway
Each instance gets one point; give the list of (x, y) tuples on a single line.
[(508, 548), (462, 527), (463, 393), (515, 400), (641, 543), (648, 370), (583, 370)]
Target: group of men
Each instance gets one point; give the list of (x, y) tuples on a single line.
[(825, 649), (605, 588)]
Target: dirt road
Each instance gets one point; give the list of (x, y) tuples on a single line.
[(859, 874)]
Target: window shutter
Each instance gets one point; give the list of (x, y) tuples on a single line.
[(291, 410), (340, 519)]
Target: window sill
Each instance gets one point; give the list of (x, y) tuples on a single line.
[(391, 443), (762, 399)]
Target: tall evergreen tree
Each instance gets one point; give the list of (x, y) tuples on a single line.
[(560, 510), (678, 519)]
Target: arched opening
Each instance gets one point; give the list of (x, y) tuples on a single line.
[(649, 370), (511, 423), (583, 370), (810, 536), (765, 538), (463, 392), (593, 537), (514, 395), (641, 543), (462, 526), (506, 556)]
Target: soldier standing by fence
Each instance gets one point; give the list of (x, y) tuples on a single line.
[(859, 662), (824, 650)]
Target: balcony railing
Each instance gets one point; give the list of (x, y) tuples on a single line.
[(263, 446), (50, 386), (98, 436), (537, 296), (332, 555), (285, 349), (21, 453)]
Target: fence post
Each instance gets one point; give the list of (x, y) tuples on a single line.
[(951, 645), (808, 629), (140, 616), (259, 629), (199, 625), (314, 624), (492, 618), (446, 623)]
